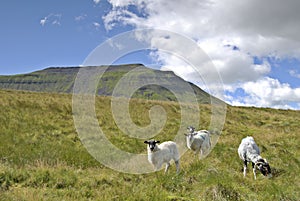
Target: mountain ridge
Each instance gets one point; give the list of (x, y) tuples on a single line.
[(62, 79)]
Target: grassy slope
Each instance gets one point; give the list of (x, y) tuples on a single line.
[(41, 157)]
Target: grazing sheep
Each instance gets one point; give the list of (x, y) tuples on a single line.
[(198, 141), (249, 152), (162, 153)]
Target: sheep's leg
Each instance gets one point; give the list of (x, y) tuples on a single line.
[(157, 166), (205, 148), (201, 153), (167, 167), (177, 166), (254, 170), (208, 148), (245, 168), (196, 152)]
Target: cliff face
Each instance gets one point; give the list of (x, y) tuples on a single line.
[(52, 79), (62, 79)]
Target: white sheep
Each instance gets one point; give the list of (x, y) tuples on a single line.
[(198, 141), (162, 153), (249, 152)]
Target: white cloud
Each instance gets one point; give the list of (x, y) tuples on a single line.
[(232, 33), (56, 22), (233, 65), (122, 3), (96, 25), (96, 1), (269, 27), (43, 21), (294, 73), (80, 17), (267, 92), (53, 19)]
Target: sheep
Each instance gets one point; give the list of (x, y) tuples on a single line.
[(162, 153), (198, 141), (249, 152)]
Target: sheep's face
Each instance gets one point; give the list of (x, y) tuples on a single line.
[(152, 144), (190, 129), (191, 133), (264, 167)]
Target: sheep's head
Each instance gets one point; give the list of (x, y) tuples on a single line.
[(151, 144), (264, 167), (191, 129)]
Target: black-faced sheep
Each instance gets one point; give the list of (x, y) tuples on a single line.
[(249, 152), (162, 153)]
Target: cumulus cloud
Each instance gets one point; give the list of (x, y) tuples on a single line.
[(232, 33), (233, 64), (268, 92)]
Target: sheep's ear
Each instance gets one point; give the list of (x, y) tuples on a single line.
[(157, 141), (258, 164), (146, 142)]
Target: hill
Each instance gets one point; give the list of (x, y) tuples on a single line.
[(42, 158), (61, 80)]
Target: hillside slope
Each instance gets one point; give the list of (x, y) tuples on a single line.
[(61, 80), (42, 158)]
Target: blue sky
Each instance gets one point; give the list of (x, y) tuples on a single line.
[(27, 45), (255, 45)]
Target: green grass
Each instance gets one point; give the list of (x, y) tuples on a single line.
[(42, 158)]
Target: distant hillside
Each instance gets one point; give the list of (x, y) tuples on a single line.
[(61, 80)]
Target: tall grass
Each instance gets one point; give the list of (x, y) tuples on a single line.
[(42, 158)]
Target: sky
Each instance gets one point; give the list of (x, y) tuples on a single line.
[(253, 44)]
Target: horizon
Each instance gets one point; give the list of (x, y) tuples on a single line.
[(57, 67), (259, 63)]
